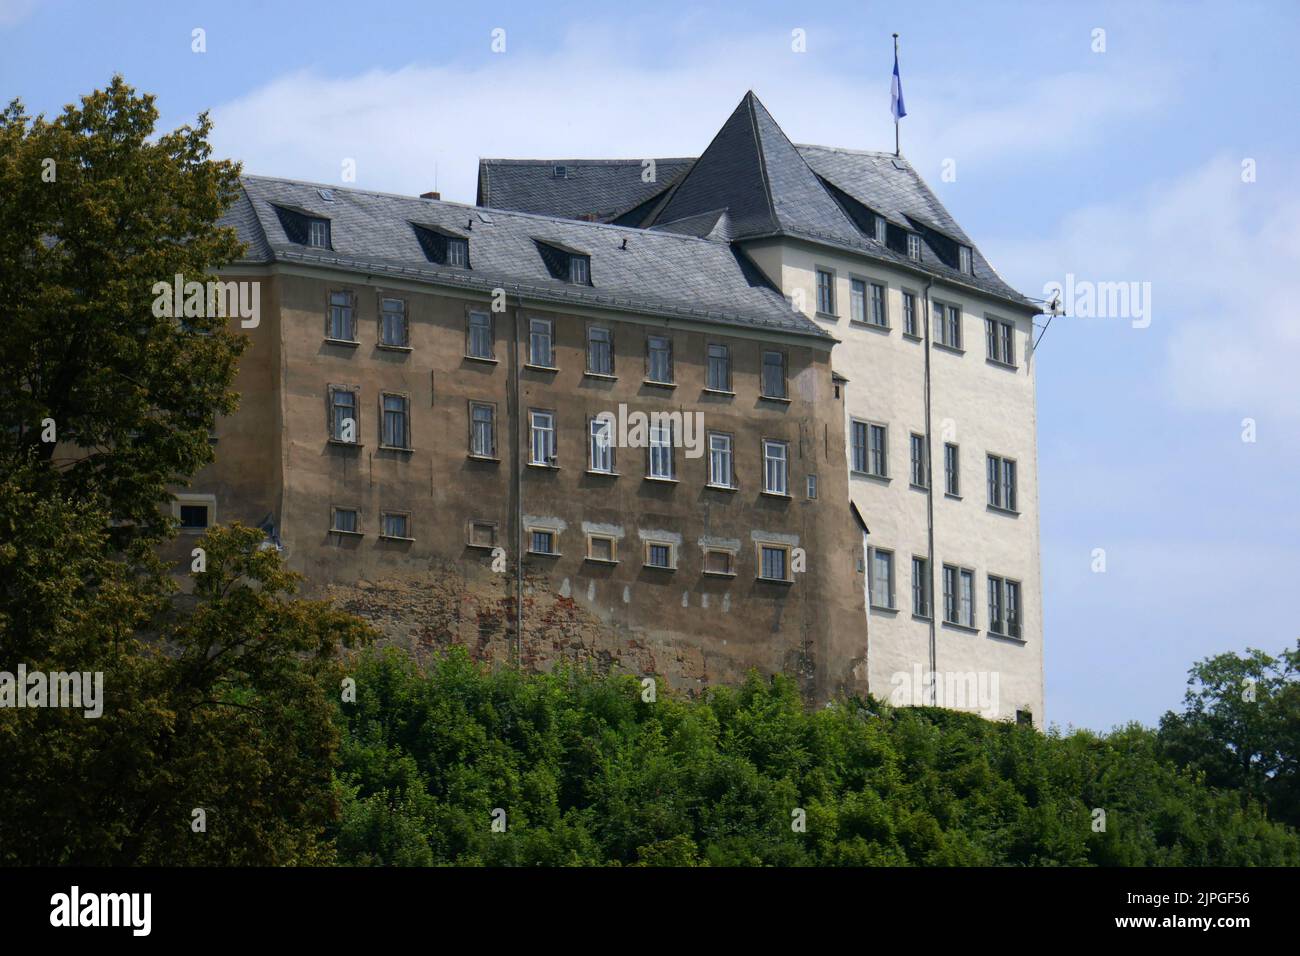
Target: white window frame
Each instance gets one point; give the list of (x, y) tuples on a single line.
[(722, 450), (776, 466), (542, 452), (600, 453), (661, 463)]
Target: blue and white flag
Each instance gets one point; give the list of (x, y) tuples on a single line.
[(896, 93)]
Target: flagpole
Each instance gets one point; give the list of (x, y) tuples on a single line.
[(896, 151)]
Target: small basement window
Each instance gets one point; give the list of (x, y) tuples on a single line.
[(542, 541), (482, 534), (194, 517), (602, 548), (719, 562)]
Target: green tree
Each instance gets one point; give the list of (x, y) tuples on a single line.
[(94, 212), (1240, 727)]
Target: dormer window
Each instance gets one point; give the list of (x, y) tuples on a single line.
[(560, 172), (318, 233), (565, 263), (914, 246), (442, 247), (303, 227), (964, 260), (882, 229), (458, 252)]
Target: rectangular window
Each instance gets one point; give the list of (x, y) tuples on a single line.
[(539, 343), (457, 252), (541, 435), (720, 471), (1004, 606), (601, 434), (879, 310), (920, 467), (909, 314), (881, 583), (601, 547), (719, 368), (775, 474), (812, 486), (999, 337), (951, 469), (600, 350), (396, 422), (659, 555), (857, 300), (343, 415), (482, 534), (720, 562), (661, 451), (913, 246), (947, 324), (878, 451), (479, 342), (920, 587), (882, 229), (482, 430), (858, 440), (194, 517), (393, 329), (318, 233), (825, 292), (395, 524), (1002, 483), (958, 595), (774, 375), (964, 259), (541, 541), (345, 520), (342, 325), (659, 359), (579, 270), (772, 563)]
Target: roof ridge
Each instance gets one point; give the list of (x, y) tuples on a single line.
[(559, 220), (749, 100)]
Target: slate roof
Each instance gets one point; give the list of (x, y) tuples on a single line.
[(599, 188), (752, 182), (650, 272)]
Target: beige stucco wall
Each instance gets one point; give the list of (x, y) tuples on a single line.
[(983, 408)]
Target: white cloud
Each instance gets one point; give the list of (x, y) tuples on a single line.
[(1223, 260), (397, 122)]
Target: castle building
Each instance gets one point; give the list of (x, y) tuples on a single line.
[(674, 415)]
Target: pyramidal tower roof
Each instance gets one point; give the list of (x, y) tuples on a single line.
[(753, 171)]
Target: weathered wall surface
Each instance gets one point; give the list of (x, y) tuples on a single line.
[(688, 626)]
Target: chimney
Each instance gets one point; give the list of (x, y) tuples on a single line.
[(432, 195)]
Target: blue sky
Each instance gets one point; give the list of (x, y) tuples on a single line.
[(1122, 165)]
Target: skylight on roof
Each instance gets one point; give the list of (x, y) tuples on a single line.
[(326, 194)]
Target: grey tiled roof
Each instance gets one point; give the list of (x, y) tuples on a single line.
[(752, 181), (597, 188), (651, 272)]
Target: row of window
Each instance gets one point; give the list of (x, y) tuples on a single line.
[(1005, 604), (661, 451), (869, 453), (869, 305), (480, 343), (772, 559)]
